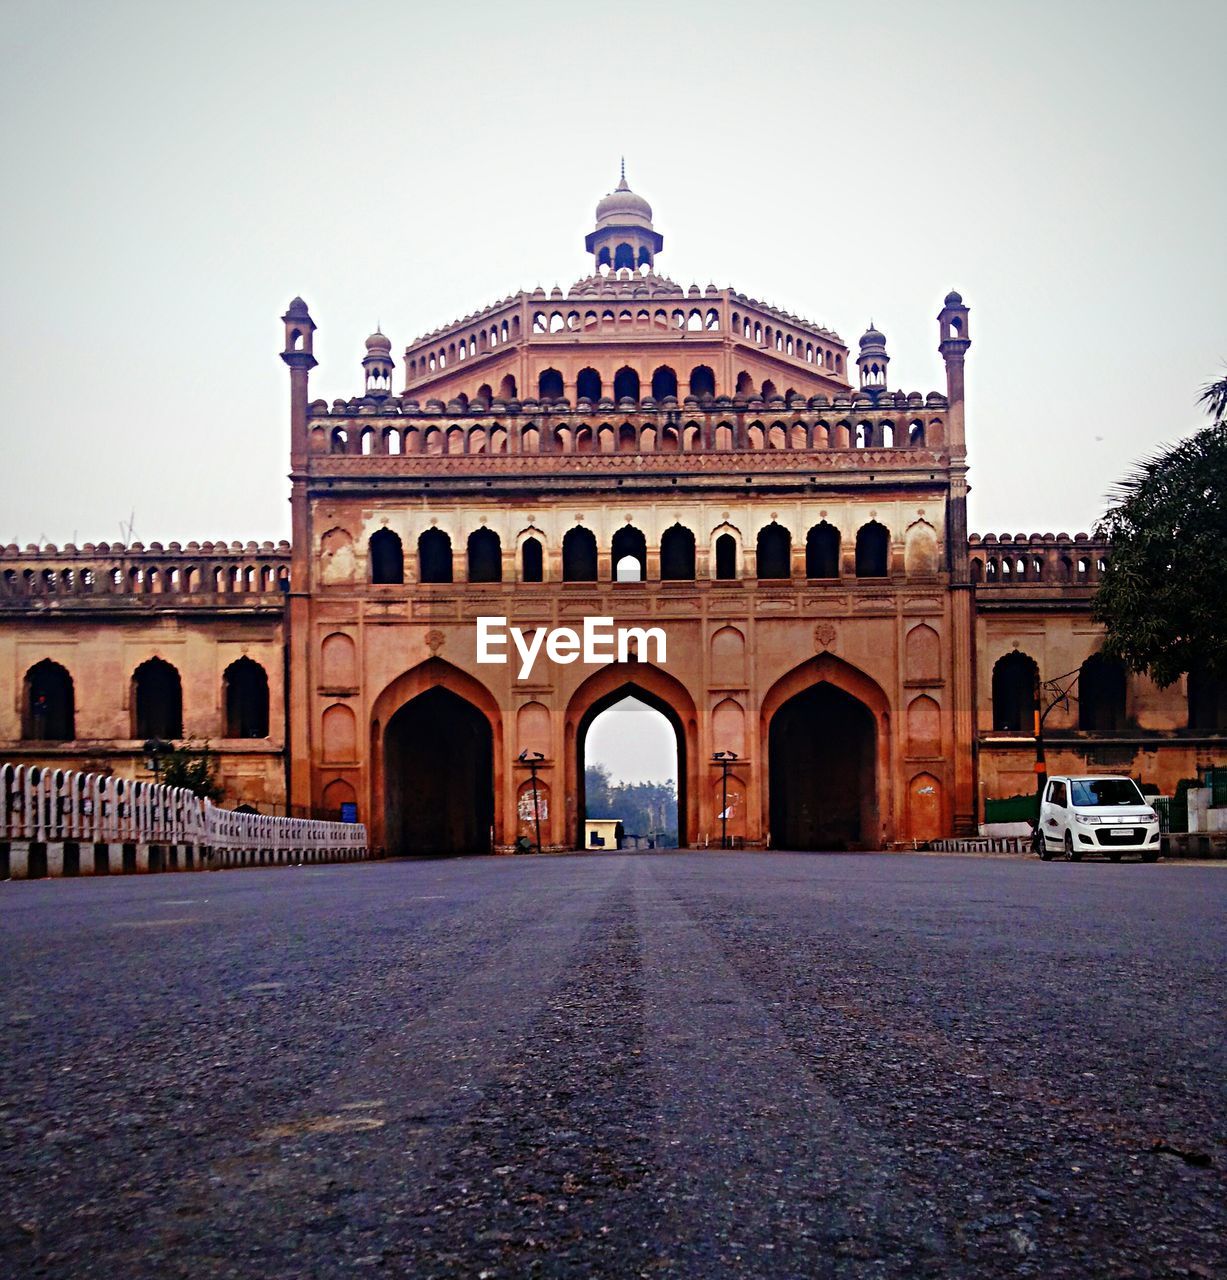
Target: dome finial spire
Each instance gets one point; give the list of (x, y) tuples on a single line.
[(622, 180)]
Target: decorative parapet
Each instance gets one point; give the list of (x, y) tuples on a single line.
[(850, 433), (1004, 560), (201, 573), (714, 465), (146, 826), (409, 406)]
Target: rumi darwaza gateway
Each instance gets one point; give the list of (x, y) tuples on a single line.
[(669, 456)]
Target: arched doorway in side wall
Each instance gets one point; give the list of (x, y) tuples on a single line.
[(438, 777), (822, 748)]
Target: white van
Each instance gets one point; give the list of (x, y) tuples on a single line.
[(1096, 815)]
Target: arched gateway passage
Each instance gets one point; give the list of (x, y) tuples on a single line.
[(826, 729), (438, 776), (436, 741), (823, 792), (655, 689)]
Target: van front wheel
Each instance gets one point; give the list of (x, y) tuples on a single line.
[(1071, 853)]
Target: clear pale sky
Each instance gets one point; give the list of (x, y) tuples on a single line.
[(174, 174), (634, 742)]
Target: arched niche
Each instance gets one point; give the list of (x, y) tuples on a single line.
[(923, 653), (728, 657)]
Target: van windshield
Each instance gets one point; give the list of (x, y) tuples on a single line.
[(1097, 791)]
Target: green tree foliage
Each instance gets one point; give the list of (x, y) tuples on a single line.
[(643, 808), (194, 769), (1163, 597)]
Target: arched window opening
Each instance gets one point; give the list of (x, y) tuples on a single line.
[(579, 555), (702, 381), (822, 551), (745, 384), (872, 551), (246, 699), (1207, 701), (630, 545), (774, 552), (626, 384), (485, 556), (507, 388), (49, 710), (339, 442), (387, 557), (549, 385), (532, 561), (1016, 682), (769, 391), (588, 385), (434, 556), (726, 557), (624, 257), (1101, 694), (677, 554), (664, 383), (157, 701)]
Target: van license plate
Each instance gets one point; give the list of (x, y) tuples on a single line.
[(1122, 831)]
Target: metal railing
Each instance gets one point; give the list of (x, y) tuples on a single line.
[(44, 806)]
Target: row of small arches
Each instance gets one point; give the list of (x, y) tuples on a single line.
[(677, 319), (49, 704), (607, 438), (1100, 692), (629, 555), (477, 341), (785, 343), (145, 579), (1037, 568)]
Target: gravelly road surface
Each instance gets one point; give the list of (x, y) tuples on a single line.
[(645, 1065)]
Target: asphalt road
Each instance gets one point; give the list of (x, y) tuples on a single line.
[(617, 1065)]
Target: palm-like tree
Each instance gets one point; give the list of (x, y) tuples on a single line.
[(1214, 397)]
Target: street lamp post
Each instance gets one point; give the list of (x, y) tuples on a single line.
[(532, 759), (725, 760)]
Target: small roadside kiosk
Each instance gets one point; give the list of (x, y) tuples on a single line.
[(602, 833)]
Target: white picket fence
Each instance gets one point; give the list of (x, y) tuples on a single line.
[(63, 822)]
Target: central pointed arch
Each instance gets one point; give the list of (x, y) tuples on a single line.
[(655, 688), (822, 686)]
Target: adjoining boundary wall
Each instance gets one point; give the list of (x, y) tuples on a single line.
[(60, 822)]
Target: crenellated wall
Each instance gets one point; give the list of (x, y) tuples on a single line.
[(82, 575)]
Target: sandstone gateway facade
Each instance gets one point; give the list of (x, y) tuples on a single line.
[(679, 457)]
